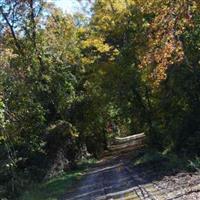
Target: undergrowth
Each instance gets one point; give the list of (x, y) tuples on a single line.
[(54, 188), (167, 161)]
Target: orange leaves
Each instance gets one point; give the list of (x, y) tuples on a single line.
[(165, 46)]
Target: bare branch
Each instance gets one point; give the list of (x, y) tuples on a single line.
[(11, 29)]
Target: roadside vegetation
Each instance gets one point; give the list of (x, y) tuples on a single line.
[(52, 189), (166, 163), (56, 187), (69, 84)]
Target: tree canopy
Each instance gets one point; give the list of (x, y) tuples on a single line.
[(64, 78)]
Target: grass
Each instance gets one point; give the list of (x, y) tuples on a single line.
[(166, 161), (58, 186), (148, 157)]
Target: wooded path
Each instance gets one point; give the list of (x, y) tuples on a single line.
[(116, 178)]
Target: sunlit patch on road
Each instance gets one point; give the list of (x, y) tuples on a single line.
[(116, 179)]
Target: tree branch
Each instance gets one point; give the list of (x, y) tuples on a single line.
[(11, 29), (33, 24)]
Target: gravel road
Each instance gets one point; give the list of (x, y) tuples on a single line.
[(115, 178)]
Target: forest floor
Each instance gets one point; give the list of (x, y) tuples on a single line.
[(116, 177)]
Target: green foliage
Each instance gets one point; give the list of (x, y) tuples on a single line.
[(53, 189), (194, 165), (2, 117), (149, 157), (57, 186), (162, 162), (64, 78)]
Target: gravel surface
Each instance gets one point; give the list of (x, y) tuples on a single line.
[(116, 178)]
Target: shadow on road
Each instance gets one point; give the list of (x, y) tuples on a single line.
[(114, 177)]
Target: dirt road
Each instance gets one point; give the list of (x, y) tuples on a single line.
[(116, 178)]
